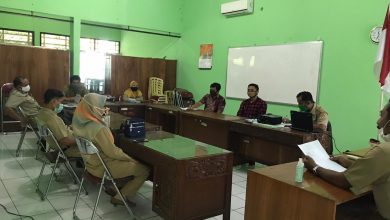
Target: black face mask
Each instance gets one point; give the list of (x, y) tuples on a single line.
[(213, 92), (134, 89)]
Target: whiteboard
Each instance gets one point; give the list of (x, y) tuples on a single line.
[(281, 71)]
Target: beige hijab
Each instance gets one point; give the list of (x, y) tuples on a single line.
[(87, 119)]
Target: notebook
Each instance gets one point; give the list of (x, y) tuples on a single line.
[(301, 121)]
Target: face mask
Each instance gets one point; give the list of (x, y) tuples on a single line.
[(26, 88), (59, 108), (302, 108), (134, 89), (384, 137), (213, 92)]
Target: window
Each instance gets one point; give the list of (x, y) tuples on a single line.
[(16, 37), (100, 46), (95, 61), (55, 41)]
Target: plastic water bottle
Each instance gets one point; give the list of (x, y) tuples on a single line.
[(299, 171)]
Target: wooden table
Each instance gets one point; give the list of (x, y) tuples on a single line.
[(191, 180), (165, 115), (273, 194), (127, 108), (207, 127), (270, 144)]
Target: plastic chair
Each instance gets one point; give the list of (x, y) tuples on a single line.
[(86, 147), (4, 93), (29, 125), (169, 94), (54, 157), (156, 86)]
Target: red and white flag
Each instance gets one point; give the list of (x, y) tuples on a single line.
[(382, 61)]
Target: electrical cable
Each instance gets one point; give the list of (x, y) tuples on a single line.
[(11, 213)]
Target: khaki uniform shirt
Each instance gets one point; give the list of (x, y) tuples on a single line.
[(24, 100), (320, 116), (59, 129), (373, 170), (120, 164)]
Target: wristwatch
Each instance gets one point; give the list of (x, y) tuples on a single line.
[(315, 170)]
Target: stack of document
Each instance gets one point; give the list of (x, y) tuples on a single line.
[(315, 150)]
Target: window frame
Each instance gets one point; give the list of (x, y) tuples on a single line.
[(19, 30), (97, 39), (62, 35)]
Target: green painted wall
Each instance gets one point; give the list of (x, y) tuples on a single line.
[(145, 45), (162, 15), (348, 89)]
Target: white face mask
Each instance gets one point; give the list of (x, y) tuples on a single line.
[(26, 88), (384, 137)]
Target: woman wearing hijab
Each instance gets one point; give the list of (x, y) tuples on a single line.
[(88, 123), (133, 93)]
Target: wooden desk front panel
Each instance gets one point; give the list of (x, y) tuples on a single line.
[(168, 119), (264, 151), (214, 132), (188, 189), (267, 198)]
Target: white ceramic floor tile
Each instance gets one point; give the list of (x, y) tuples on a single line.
[(19, 186), (237, 178), (241, 195), (11, 169), (3, 191), (241, 210), (81, 212), (35, 208), (237, 189), (236, 203), (146, 187), (26, 199), (233, 216), (48, 216), (242, 184), (65, 201)]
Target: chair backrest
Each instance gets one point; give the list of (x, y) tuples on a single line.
[(47, 134), (6, 88), (156, 87), (87, 147)]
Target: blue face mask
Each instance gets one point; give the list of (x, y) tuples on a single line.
[(59, 108)]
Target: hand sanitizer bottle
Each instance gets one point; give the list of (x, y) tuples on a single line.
[(299, 171)]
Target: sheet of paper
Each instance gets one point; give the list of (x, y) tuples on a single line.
[(315, 150)]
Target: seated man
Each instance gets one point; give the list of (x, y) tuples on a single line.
[(76, 89), (48, 115), (371, 170), (19, 97), (307, 104), (213, 102), (133, 93), (254, 106)]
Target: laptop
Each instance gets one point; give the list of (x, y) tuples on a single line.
[(301, 121)]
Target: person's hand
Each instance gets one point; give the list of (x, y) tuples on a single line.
[(286, 120), (342, 160), (309, 162)]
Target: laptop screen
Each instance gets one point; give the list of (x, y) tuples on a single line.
[(301, 121)]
